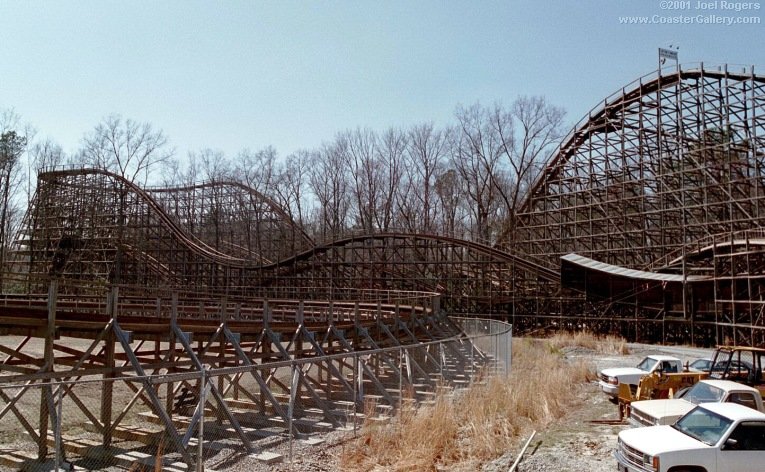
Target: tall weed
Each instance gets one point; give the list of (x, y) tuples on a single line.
[(464, 429)]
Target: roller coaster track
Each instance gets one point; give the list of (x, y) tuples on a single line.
[(666, 174), (204, 251), (496, 254), (275, 207), (188, 240), (654, 172), (599, 119)]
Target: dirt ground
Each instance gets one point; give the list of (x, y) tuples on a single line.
[(577, 444)]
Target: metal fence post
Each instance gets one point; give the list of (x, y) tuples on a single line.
[(510, 350), (400, 376), (472, 361), (356, 372), (441, 359), (291, 407), (57, 427), (202, 403), (494, 340)]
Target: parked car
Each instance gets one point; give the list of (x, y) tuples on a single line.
[(667, 411), (609, 379), (700, 365), (705, 365), (713, 437)]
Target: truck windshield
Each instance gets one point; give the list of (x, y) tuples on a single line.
[(703, 425), (647, 364), (703, 393)]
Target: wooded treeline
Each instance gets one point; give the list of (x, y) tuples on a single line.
[(466, 179)]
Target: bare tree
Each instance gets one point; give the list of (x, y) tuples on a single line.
[(498, 153), (172, 173), (124, 146), (448, 191), (257, 171), (407, 204), (213, 165), (360, 156), (291, 185), (427, 149), (42, 155), (176, 173), (391, 151), (475, 156), (12, 146), (46, 154), (528, 133), (329, 183)]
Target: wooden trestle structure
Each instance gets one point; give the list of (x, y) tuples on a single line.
[(158, 296), (665, 176), (648, 221), (162, 353)]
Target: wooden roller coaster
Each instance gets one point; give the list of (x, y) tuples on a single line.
[(121, 290), (648, 221)]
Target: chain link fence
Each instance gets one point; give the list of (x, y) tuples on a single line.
[(223, 418)]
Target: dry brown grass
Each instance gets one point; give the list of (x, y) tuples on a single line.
[(476, 425), (608, 344)]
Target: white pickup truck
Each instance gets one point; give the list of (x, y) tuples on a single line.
[(713, 437), (609, 379), (656, 412)]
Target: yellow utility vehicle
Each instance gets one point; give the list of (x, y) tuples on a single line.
[(656, 385), (738, 363)]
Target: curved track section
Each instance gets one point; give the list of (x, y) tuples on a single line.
[(88, 223), (470, 277), (194, 238), (231, 215), (666, 174), (665, 162)]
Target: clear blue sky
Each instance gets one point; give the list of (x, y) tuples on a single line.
[(234, 74)]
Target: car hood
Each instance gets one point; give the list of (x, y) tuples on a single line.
[(618, 371), (662, 408), (655, 440)]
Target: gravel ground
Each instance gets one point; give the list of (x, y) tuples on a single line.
[(574, 443)]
